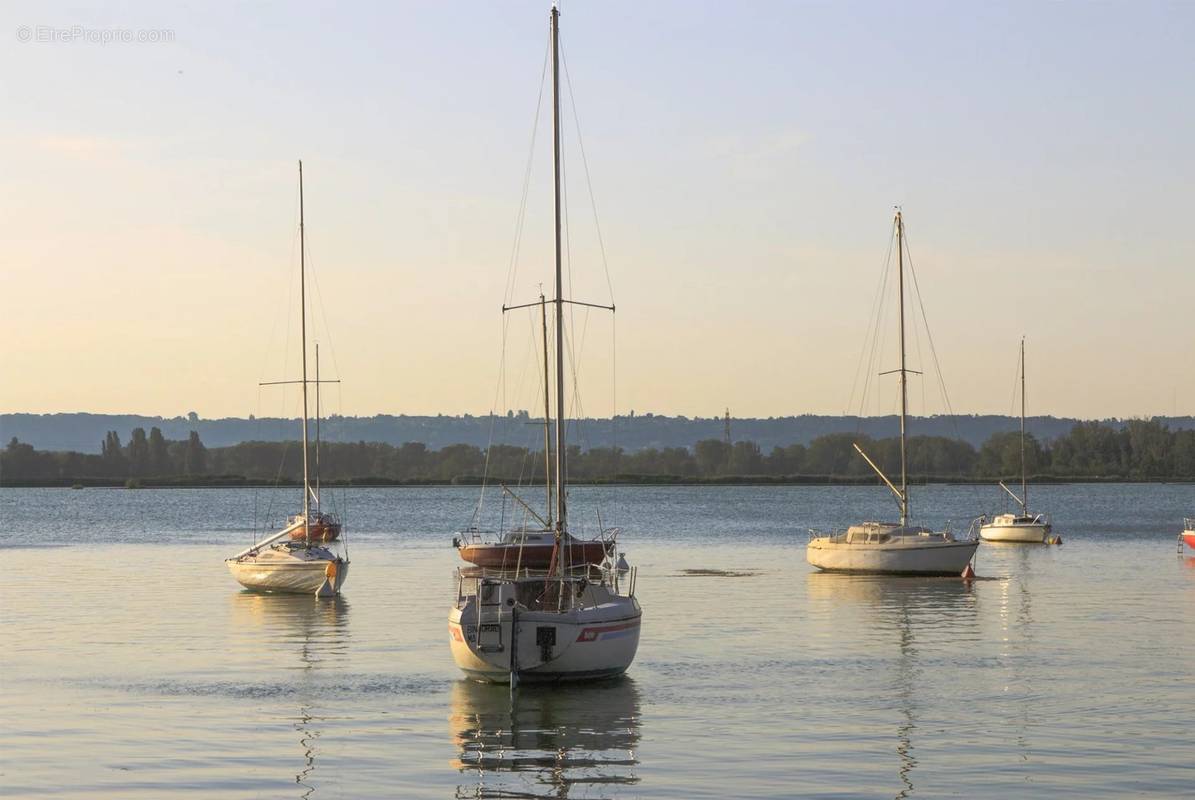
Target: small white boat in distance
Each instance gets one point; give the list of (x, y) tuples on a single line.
[(890, 547), (1023, 528), (1188, 534)]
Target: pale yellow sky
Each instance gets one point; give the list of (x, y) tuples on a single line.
[(745, 194)]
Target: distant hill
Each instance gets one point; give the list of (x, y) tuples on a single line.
[(84, 432)]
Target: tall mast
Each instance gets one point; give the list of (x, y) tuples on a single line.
[(560, 503), (904, 380), (303, 330), (1024, 479), (543, 310), (317, 415)]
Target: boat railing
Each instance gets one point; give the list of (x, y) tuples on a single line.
[(833, 533), (976, 524), (468, 580), (1189, 523)]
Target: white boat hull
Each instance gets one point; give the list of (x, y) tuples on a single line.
[(290, 573), (1026, 533), (589, 643), (902, 555)]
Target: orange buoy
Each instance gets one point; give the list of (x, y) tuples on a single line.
[(330, 571), (968, 573)]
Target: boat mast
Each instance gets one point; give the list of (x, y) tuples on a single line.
[(1024, 478), (303, 330), (559, 301), (317, 503), (904, 380), (543, 309)]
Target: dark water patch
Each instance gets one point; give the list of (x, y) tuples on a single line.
[(716, 573)]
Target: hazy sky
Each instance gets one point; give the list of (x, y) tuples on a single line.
[(745, 161)]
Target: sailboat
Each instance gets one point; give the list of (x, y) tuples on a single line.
[(527, 545), (1024, 527), (295, 559), (896, 548), (564, 623)]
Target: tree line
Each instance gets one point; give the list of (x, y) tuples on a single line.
[(1141, 450)]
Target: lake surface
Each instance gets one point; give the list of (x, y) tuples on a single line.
[(133, 666)]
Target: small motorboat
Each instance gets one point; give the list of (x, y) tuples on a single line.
[(1021, 528), (1189, 532)]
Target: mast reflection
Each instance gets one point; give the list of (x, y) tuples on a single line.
[(551, 741), (904, 608), (319, 628)]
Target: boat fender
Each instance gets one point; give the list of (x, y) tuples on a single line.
[(330, 571)]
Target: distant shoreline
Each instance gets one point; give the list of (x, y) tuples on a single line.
[(240, 482)]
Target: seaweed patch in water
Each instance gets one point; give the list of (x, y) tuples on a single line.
[(717, 573)]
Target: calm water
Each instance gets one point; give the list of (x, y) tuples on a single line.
[(133, 666)]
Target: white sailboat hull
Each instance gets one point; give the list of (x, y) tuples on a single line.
[(901, 555), (300, 572), (1025, 533), (589, 643)]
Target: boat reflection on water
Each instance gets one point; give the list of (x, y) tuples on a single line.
[(904, 610), (318, 627), (318, 624), (546, 741)]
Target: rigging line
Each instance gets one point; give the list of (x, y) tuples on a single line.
[(614, 386), (288, 281), (872, 317), (323, 311), (499, 390), (1016, 376), (877, 335), (588, 180), (520, 218), (934, 351), (878, 338)]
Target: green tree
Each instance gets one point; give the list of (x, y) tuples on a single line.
[(745, 459), (159, 453), (138, 453), (195, 456), (712, 456)]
